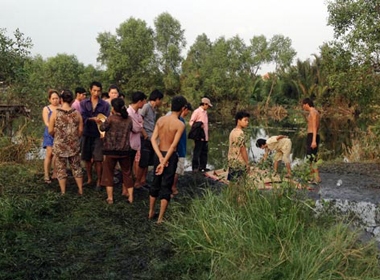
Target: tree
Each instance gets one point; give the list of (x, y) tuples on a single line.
[(13, 55), (170, 41), (129, 55), (356, 23)]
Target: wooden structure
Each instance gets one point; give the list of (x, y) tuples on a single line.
[(9, 112)]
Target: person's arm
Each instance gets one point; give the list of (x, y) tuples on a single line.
[(52, 123), (80, 126), (266, 153), (313, 117), (244, 155), (45, 116), (155, 146), (193, 118)]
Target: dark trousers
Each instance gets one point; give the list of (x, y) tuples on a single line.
[(200, 153)]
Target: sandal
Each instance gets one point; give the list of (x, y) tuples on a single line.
[(47, 180)]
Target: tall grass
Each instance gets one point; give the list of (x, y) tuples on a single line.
[(249, 234)]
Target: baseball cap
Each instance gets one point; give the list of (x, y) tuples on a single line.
[(206, 101)]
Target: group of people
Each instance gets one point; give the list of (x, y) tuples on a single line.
[(130, 136), (238, 162)]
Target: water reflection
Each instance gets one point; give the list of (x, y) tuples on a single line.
[(335, 135)]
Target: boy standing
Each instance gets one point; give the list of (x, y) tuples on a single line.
[(238, 164), (166, 135)]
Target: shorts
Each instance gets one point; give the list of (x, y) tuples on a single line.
[(311, 153), (162, 184), (61, 166), (92, 148), (180, 166), (147, 153), (284, 153)]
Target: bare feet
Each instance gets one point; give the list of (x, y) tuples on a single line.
[(109, 201)]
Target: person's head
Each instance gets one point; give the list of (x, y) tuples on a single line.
[(118, 106), (156, 96), (67, 96), (138, 99), (113, 92), (95, 89), (187, 110), (104, 95), (178, 103), (53, 97), (242, 119), (80, 93), (307, 103), (205, 103), (260, 143), (122, 96)]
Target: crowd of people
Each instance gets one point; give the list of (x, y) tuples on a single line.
[(106, 134)]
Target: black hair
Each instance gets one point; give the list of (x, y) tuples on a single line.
[(178, 102), (156, 94), (240, 115), (113, 87), (138, 96), (118, 105), (260, 142), (96, 84), (188, 107), (79, 90), (67, 96), (104, 95), (121, 95), (308, 101)]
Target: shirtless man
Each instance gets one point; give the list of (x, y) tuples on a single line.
[(312, 142), (166, 135)]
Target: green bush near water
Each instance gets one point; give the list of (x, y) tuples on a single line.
[(250, 234)]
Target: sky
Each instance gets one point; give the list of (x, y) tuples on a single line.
[(72, 26)]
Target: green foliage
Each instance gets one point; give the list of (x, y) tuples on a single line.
[(129, 55), (169, 41), (13, 55), (248, 234)]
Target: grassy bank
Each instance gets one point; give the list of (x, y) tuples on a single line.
[(235, 233)]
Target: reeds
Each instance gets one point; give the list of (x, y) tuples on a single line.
[(251, 234)]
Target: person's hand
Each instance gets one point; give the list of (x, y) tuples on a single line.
[(313, 145), (159, 169), (162, 161)]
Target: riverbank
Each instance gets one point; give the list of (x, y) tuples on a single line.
[(46, 236)]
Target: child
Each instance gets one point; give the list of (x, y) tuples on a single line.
[(282, 145), (238, 164)]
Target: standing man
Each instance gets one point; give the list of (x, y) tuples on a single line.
[(200, 152), (165, 138), (80, 94), (181, 149), (312, 142), (91, 142), (149, 114), (138, 101)]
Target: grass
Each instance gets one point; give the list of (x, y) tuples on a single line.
[(212, 233)]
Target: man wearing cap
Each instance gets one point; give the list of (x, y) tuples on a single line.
[(200, 151)]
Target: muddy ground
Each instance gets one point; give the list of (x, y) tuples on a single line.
[(360, 182)]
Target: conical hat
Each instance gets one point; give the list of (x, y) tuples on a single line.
[(103, 119)]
